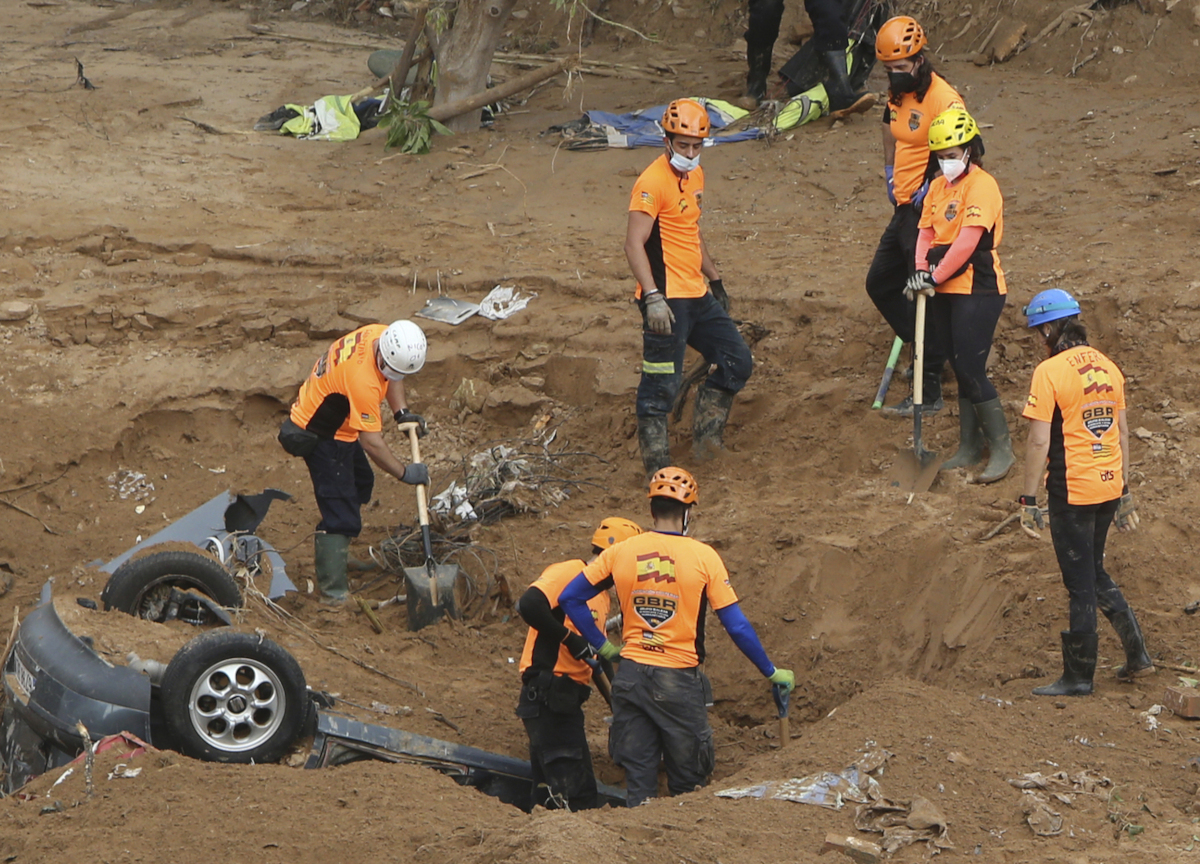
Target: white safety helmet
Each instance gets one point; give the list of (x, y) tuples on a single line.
[(402, 347)]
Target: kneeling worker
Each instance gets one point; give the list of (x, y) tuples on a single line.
[(555, 680), (335, 425), (664, 583)]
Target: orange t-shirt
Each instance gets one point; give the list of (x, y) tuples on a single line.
[(909, 122), (674, 244), (975, 200), (342, 395), (664, 584), (1080, 393), (553, 580)]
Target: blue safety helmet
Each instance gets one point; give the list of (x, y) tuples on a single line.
[(1050, 305)]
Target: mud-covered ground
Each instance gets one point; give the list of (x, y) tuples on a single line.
[(181, 282)]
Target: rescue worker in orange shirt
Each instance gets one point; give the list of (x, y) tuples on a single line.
[(670, 262), (665, 582), (335, 425), (961, 226), (1078, 427), (555, 680), (916, 94)]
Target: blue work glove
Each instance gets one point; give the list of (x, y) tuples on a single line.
[(889, 171), (406, 416), (919, 195), (416, 474), (784, 678), (609, 651)]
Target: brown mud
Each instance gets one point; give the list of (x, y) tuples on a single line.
[(181, 283)]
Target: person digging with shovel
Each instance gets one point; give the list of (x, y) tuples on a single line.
[(335, 425), (916, 95), (556, 678), (1078, 427), (670, 262), (962, 223), (665, 582)]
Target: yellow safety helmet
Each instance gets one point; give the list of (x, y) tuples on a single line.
[(952, 128), (613, 530)]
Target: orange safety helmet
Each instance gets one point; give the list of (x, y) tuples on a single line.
[(899, 38), (613, 530), (685, 117), (674, 483)]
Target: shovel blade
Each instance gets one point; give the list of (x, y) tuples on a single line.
[(913, 473), (422, 610)]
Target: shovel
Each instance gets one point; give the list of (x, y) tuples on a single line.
[(781, 696), (430, 588), (918, 469)]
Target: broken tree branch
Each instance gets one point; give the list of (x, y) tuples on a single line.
[(494, 94), (21, 509)]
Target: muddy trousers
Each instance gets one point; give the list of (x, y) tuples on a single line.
[(895, 260), (701, 323), (342, 483), (1079, 532), (962, 326), (829, 30), (551, 707), (659, 714)]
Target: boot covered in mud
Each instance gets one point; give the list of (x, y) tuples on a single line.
[(1079, 665), (654, 443), (837, 83), (970, 439), (995, 430), (1137, 659), (758, 59), (331, 552), (708, 424)]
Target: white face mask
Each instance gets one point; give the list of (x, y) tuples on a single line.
[(683, 164), (388, 372), (953, 168)]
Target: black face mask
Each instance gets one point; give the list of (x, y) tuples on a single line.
[(902, 82)]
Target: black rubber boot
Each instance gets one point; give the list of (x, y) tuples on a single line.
[(654, 443), (331, 552), (837, 85), (708, 425), (1137, 659), (995, 430), (758, 61), (970, 439), (1079, 665)]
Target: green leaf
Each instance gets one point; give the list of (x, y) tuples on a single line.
[(1135, 830), (439, 128)]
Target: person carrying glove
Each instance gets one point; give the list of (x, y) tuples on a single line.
[(665, 581), (916, 94), (556, 676), (1079, 440), (338, 410), (668, 258)]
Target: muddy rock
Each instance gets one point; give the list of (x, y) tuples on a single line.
[(15, 310), (470, 396), (512, 405)]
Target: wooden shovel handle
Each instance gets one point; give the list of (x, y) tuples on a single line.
[(919, 353), (422, 503)]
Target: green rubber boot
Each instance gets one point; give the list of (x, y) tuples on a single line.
[(331, 552), (708, 424), (999, 442), (970, 439), (654, 443)]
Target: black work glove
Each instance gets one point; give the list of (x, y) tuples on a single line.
[(717, 287), (578, 647), (920, 282), (416, 474), (406, 416)]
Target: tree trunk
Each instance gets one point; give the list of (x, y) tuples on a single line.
[(464, 54)]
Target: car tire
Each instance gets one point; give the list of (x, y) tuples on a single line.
[(131, 588), (234, 697)]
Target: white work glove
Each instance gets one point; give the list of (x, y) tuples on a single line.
[(920, 282), (659, 316)]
